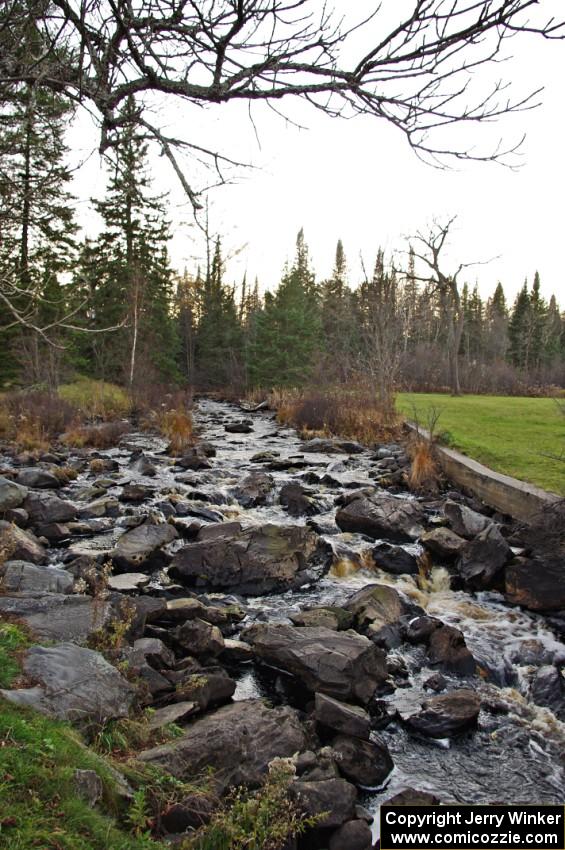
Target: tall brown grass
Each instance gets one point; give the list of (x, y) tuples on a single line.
[(424, 472), (177, 427), (102, 436), (34, 419), (348, 412)]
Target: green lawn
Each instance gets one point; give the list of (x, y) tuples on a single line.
[(511, 435)]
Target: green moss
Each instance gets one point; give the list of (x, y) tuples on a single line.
[(13, 639), (517, 436)]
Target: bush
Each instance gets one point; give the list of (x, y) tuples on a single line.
[(34, 419), (96, 400), (102, 436)]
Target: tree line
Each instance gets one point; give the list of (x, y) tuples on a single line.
[(111, 305)]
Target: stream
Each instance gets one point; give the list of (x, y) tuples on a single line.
[(516, 754)]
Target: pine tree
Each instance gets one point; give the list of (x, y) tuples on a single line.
[(553, 333), (496, 321), (36, 217), (538, 317), (519, 330), (128, 271), (289, 328), (338, 325)]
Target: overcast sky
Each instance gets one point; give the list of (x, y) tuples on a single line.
[(358, 180)]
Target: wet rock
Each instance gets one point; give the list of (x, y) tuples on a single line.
[(363, 762), (237, 651), (20, 577), (482, 561), (237, 741), (382, 613), (264, 457), (353, 835), (413, 797), (436, 682), (252, 561), (45, 508), (142, 546), (537, 584), (394, 559), (297, 500), (136, 493), (382, 515), (344, 665), (349, 719), (12, 495), (174, 713), (254, 489), (105, 506), (199, 638), (464, 521), (18, 516), (548, 689), (185, 608), (143, 466), (73, 683), (54, 532), (333, 798), (243, 427), (446, 645), (333, 446), (149, 609), (38, 478), (21, 545), (330, 617), (194, 460), (447, 715), (128, 582), (208, 689), (154, 652), (443, 543), (55, 616)]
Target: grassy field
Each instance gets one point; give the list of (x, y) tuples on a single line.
[(511, 435)]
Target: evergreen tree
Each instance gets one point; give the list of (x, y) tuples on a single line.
[(538, 317), (128, 270), (337, 319), (519, 330), (496, 320), (553, 333)]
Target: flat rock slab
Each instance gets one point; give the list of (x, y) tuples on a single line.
[(54, 616), (73, 683), (19, 577), (349, 719), (128, 582), (174, 713), (44, 508), (381, 515), (237, 741), (344, 665), (447, 715), (140, 545), (253, 561)]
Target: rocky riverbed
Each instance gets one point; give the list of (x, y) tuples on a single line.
[(290, 599)]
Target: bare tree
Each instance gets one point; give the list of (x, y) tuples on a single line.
[(428, 248), (417, 71)]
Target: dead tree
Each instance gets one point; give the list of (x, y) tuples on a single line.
[(427, 248)]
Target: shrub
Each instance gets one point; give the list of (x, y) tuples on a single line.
[(34, 419), (96, 399), (176, 425), (424, 470), (102, 436)]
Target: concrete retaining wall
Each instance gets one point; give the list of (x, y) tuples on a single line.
[(502, 492)]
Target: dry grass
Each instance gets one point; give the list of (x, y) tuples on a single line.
[(177, 427), (350, 412), (96, 400), (7, 546), (102, 436), (424, 472), (34, 420)]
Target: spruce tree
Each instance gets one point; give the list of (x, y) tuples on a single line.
[(496, 321), (519, 329), (338, 325), (538, 317)]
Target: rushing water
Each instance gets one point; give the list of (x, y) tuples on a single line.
[(517, 752)]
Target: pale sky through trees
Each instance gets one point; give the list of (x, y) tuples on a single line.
[(359, 181)]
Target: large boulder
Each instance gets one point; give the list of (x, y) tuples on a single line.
[(342, 717), (254, 489), (344, 665), (20, 545), (481, 562), (142, 546), (55, 616), (353, 835), (366, 763), (12, 495), (329, 616), (394, 559), (464, 521), (252, 561), (447, 715), (73, 683), (39, 478), (381, 612), (20, 577), (443, 543), (46, 508), (332, 801), (382, 515), (206, 688), (298, 500), (199, 638), (446, 645), (237, 742), (548, 689), (537, 584)]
